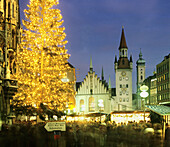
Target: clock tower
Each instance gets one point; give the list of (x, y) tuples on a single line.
[(123, 72)]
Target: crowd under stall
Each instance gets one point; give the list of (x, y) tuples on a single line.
[(125, 117), (163, 111)]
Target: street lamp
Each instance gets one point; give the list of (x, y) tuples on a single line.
[(144, 94)]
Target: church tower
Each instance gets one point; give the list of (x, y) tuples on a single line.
[(123, 71), (140, 70)]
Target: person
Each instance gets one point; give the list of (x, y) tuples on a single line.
[(70, 140), (167, 136), (78, 136)]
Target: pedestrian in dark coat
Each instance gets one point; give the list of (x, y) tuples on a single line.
[(167, 136)]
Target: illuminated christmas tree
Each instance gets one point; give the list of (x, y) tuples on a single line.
[(42, 57)]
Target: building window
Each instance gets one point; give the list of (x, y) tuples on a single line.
[(141, 77), (120, 100), (82, 106), (91, 104), (127, 99), (124, 108), (120, 85), (123, 61), (9, 10), (101, 105), (123, 52), (126, 85), (123, 99)]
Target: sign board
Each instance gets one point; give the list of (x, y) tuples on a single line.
[(54, 126)]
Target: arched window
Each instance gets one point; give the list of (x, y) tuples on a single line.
[(13, 39), (82, 106), (91, 104), (9, 8), (101, 105)]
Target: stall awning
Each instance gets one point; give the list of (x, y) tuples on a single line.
[(159, 109)]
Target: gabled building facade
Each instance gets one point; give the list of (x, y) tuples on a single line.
[(93, 94)]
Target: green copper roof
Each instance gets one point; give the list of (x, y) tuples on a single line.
[(140, 60), (159, 109)]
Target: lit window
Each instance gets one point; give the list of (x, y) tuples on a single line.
[(82, 106), (91, 104)]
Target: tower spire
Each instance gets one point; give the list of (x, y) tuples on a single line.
[(110, 86), (91, 65), (102, 74), (123, 40)]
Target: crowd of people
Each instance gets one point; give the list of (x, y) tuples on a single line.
[(84, 134)]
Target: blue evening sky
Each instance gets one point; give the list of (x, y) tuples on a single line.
[(93, 28)]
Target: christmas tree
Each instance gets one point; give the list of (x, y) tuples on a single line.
[(42, 58)]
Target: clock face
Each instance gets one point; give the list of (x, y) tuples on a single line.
[(127, 78), (120, 78), (123, 73), (123, 90)]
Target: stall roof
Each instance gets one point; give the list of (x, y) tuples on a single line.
[(159, 109), (128, 112)]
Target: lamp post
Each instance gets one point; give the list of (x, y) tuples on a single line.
[(144, 94), (100, 104)]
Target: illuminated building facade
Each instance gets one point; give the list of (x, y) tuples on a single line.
[(9, 39), (93, 94), (151, 82), (163, 81)]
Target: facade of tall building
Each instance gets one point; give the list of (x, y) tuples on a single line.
[(163, 81), (123, 72), (151, 82), (140, 74), (9, 39)]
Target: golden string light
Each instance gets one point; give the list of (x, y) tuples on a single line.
[(42, 57)]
